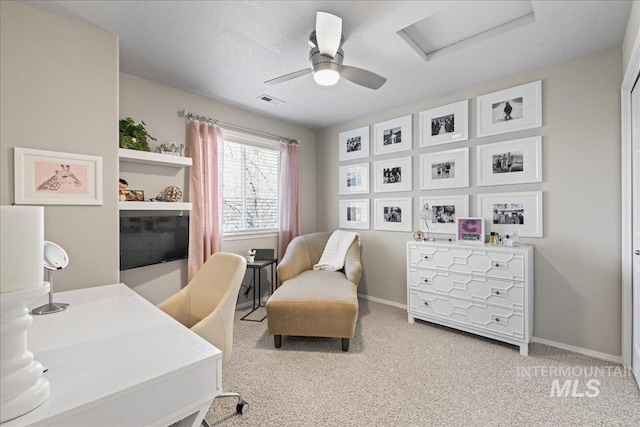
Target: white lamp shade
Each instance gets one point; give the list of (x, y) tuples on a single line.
[(326, 77)]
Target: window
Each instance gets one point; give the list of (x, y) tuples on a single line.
[(250, 187)]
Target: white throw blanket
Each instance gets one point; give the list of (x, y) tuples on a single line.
[(335, 251)]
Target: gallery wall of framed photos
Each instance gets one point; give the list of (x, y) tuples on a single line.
[(447, 172)]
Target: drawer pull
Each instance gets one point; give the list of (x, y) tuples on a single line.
[(426, 257), (426, 303), (426, 280), (497, 292), (497, 319), (497, 264)]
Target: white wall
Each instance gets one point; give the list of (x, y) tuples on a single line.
[(158, 105), (58, 80), (577, 262)]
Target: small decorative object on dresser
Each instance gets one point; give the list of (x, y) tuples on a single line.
[(418, 236), (470, 230), (486, 290)]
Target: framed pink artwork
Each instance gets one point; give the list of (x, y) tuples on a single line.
[(470, 230), (54, 178)]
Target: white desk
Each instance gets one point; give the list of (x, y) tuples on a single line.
[(114, 359)]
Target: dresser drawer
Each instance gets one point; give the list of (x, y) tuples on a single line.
[(458, 311), (485, 290), (476, 261)]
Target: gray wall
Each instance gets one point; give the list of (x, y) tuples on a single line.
[(577, 262), (633, 28), (59, 80), (158, 106)]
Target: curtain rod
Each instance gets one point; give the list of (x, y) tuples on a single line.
[(282, 139)]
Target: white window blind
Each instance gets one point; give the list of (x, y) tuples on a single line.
[(250, 188)]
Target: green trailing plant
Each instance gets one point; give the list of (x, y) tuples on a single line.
[(134, 136)]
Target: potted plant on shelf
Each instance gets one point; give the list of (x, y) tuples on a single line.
[(134, 136)]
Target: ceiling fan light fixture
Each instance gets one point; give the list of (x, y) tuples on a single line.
[(326, 77)]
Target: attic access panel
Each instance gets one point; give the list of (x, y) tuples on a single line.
[(465, 23)]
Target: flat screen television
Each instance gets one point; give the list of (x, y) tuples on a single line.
[(148, 240)]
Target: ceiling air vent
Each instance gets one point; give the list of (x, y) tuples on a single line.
[(270, 99)]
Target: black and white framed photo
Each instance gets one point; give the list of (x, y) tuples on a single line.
[(441, 213), (509, 212), (354, 179), (354, 144), (445, 169), (355, 214), (393, 175), (441, 125), (393, 214), (510, 162), (510, 110), (392, 136)]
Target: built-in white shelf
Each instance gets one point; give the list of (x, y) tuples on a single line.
[(154, 206), (149, 158)]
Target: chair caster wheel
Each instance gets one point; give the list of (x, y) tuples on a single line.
[(242, 407)]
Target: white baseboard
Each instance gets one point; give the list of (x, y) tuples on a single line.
[(383, 301), (579, 350), (572, 348)]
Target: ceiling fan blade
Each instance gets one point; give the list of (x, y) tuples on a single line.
[(328, 33), (288, 77), (362, 77)]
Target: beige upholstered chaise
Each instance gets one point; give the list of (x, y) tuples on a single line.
[(316, 303)]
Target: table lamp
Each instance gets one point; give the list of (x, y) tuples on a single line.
[(426, 214), (55, 258)]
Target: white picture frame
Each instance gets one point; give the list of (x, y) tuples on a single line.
[(446, 124), (445, 210), (393, 175), (392, 136), (353, 144), (393, 214), (54, 178), (354, 214), (525, 113), (526, 204), (354, 179), (445, 169), (470, 231), (510, 162)]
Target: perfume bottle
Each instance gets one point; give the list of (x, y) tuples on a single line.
[(515, 239), (492, 238)]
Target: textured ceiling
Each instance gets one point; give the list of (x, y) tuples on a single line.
[(227, 49)]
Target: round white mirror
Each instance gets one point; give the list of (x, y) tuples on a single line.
[(55, 258)]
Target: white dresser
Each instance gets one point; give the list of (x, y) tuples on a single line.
[(486, 290)]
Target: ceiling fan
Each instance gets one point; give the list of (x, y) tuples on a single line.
[(326, 58)]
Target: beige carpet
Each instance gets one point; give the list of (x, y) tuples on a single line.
[(398, 374)]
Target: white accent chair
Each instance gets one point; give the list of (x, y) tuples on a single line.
[(207, 305)]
